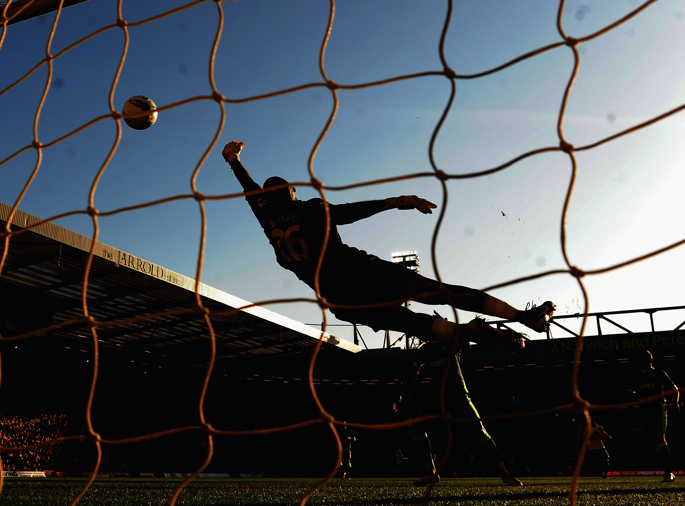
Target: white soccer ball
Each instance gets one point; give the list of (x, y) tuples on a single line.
[(134, 109)]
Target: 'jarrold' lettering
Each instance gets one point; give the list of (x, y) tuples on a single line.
[(141, 265)]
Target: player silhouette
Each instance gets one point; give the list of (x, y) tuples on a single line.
[(351, 280)]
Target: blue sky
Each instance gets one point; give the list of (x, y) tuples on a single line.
[(626, 200)]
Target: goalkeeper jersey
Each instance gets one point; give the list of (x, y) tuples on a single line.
[(296, 231)]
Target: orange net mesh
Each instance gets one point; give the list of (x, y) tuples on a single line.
[(332, 87)]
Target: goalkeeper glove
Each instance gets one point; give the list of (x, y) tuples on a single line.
[(232, 151), (410, 202)]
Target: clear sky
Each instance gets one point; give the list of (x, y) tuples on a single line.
[(627, 198)]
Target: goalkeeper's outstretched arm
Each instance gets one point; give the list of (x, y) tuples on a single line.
[(342, 214), (231, 154)]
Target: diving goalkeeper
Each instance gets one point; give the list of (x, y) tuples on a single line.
[(351, 280)]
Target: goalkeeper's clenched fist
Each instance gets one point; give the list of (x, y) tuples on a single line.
[(232, 150)]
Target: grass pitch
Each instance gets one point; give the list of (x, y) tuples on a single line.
[(644, 491)]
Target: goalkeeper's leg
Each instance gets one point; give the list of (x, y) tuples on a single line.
[(428, 291), (431, 328), (402, 319), (378, 281)]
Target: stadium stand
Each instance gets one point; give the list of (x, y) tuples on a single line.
[(42, 280), (151, 370)]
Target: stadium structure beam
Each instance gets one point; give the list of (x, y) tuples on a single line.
[(243, 335), (179, 337), (76, 279), (219, 324), (14, 264), (139, 340), (178, 340), (68, 303), (602, 317), (266, 344), (106, 311), (171, 322), (21, 10), (237, 356)]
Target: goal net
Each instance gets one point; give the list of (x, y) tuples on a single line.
[(548, 135)]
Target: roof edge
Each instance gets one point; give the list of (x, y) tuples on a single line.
[(126, 260)]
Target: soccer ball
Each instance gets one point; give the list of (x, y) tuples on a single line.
[(137, 105)]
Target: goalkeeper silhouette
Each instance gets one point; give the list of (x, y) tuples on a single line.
[(351, 280)]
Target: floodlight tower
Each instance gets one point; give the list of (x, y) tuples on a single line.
[(410, 260)]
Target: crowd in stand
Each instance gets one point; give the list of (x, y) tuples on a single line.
[(22, 431)]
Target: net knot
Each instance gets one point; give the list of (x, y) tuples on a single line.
[(449, 73), (566, 147), (576, 272), (572, 42), (218, 97), (317, 185), (442, 175), (581, 404), (332, 85), (322, 303), (199, 196), (36, 144), (92, 211)]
